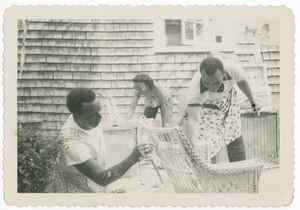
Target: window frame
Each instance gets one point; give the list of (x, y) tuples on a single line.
[(160, 40)]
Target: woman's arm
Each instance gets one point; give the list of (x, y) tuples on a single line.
[(132, 108), (163, 107), (92, 170)]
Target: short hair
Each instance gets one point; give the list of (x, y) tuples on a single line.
[(210, 65), (77, 97), (144, 78)]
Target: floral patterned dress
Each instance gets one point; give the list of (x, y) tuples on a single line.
[(66, 182)]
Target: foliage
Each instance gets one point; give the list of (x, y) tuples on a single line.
[(37, 156)]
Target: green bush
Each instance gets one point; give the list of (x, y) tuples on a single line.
[(37, 157)]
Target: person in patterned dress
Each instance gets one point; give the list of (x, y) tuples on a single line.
[(82, 167), (213, 109), (156, 96)]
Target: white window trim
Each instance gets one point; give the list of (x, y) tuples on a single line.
[(160, 42), (194, 42)]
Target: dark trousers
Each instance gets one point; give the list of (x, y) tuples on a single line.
[(236, 151), (150, 112)]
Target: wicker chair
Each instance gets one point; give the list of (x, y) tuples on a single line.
[(114, 117), (119, 141), (105, 120), (113, 111), (190, 174)]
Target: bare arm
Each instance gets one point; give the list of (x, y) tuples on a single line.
[(162, 100), (92, 170), (245, 88), (133, 105), (192, 128)]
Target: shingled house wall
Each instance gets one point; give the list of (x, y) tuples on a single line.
[(253, 50), (55, 56), (271, 58)]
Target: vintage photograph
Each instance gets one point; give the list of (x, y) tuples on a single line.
[(77, 77), (148, 106)]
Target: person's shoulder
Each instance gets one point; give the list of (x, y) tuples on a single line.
[(196, 78), (197, 74), (69, 122), (234, 69), (99, 128), (159, 86), (193, 94), (232, 64)]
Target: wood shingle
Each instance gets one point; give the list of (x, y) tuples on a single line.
[(104, 55)]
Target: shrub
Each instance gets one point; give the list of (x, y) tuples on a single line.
[(37, 156)]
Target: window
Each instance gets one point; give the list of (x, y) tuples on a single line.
[(175, 35), (173, 32), (194, 32)]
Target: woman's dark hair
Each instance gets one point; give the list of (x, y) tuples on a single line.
[(145, 79), (77, 97), (210, 65)]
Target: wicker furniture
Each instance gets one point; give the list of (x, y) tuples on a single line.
[(105, 120), (190, 174), (113, 111), (112, 117), (119, 141)]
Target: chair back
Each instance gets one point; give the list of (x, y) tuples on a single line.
[(189, 172), (112, 110), (106, 119), (175, 159), (119, 143)]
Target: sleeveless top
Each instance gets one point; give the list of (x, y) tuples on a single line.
[(154, 102)]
